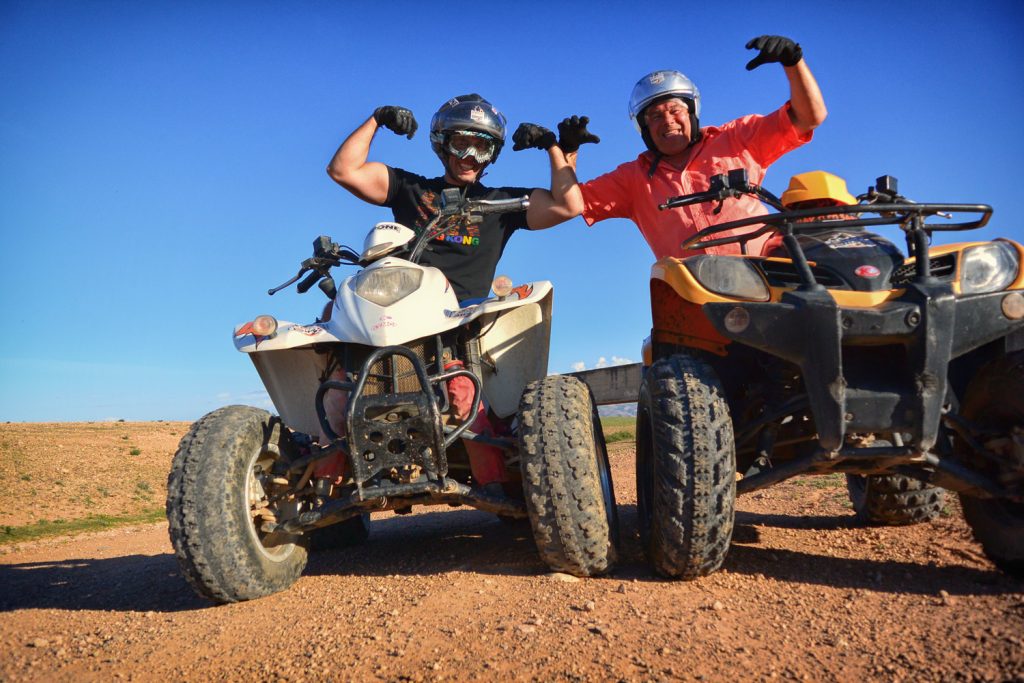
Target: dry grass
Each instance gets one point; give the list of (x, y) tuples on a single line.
[(52, 474)]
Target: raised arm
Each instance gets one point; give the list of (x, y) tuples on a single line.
[(807, 106), (564, 199), (368, 180)]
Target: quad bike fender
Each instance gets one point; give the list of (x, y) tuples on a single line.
[(514, 346), (292, 377), (517, 342), (289, 335), (522, 295)]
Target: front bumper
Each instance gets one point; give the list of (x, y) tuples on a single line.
[(914, 338), (395, 437)]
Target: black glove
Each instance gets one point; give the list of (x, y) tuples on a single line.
[(572, 132), (398, 119), (531, 135), (774, 49)]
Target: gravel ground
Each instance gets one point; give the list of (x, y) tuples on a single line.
[(453, 594)]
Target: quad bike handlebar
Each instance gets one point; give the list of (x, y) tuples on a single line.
[(326, 255), (883, 200), (724, 186), (456, 208)]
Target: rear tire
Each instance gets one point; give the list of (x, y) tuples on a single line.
[(685, 468), (566, 477), (894, 499), (217, 476), (995, 400)]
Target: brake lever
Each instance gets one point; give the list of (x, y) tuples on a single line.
[(275, 290)]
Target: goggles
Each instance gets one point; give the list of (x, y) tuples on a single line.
[(477, 145)]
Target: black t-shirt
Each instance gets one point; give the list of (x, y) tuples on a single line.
[(467, 254)]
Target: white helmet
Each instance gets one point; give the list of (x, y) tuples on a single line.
[(660, 85)]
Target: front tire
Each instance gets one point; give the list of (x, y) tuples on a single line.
[(685, 468), (995, 401), (219, 481), (566, 477)]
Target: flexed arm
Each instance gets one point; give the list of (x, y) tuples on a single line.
[(368, 180), (807, 106), (564, 199)]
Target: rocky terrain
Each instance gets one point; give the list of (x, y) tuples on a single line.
[(454, 594)]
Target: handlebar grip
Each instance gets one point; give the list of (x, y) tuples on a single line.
[(308, 282)]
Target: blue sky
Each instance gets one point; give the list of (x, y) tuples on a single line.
[(162, 163)]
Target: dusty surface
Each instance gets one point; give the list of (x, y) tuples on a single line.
[(449, 594), (70, 470)]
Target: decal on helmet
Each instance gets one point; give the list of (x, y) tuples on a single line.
[(477, 114)]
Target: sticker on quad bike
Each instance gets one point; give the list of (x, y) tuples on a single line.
[(844, 240)]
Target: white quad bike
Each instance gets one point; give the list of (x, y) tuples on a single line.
[(242, 503)]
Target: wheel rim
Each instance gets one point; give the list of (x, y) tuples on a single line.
[(257, 490)]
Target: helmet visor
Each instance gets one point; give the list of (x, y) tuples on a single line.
[(469, 144)]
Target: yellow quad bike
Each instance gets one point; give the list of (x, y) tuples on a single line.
[(833, 353)]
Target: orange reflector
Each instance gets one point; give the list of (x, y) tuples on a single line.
[(264, 326), (502, 286)]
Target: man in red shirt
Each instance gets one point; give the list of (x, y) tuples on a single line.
[(681, 156)]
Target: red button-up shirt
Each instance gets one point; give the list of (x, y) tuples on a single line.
[(751, 142)]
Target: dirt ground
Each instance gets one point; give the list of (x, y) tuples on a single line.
[(453, 594)]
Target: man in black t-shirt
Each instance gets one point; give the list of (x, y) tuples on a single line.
[(467, 133), (467, 254)]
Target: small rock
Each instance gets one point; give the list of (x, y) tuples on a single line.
[(526, 628), (946, 598), (621, 588), (717, 606), (38, 642), (589, 606), (564, 578)]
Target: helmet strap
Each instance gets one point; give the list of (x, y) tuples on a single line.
[(654, 163)]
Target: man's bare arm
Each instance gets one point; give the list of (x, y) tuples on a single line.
[(807, 106), (368, 180)]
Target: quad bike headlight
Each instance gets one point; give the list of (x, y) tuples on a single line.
[(386, 286), (988, 268), (729, 276)]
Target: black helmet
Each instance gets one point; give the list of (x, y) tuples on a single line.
[(467, 114)]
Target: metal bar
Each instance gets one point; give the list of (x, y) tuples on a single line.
[(617, 384)]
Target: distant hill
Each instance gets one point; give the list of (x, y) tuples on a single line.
[(617, 410)]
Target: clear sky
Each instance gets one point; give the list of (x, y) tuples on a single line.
[(162, 163)]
